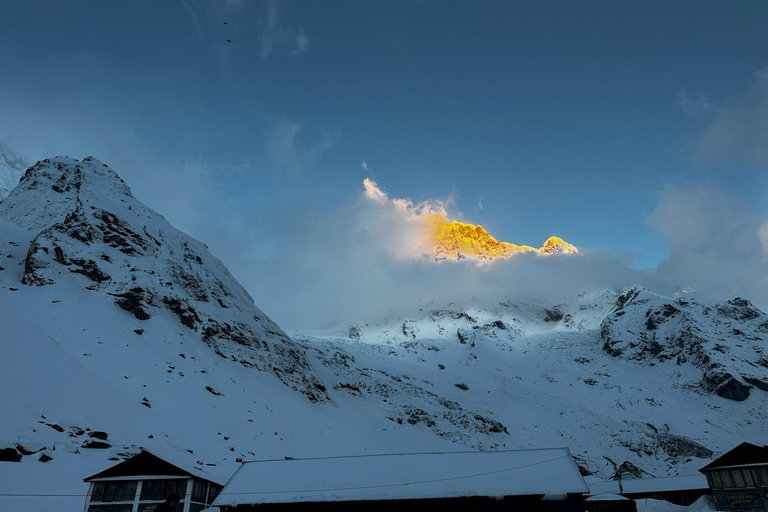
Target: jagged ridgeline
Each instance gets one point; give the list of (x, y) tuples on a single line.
[(85, 224)]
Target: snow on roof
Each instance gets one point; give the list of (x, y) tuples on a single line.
[(405, 476), (644, 485), (168, 458), (607, 497)]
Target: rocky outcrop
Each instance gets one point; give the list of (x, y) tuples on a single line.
[(86, 226), (724, 340)]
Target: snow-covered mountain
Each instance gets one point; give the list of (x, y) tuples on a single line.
[(113, 324), (11, 169)]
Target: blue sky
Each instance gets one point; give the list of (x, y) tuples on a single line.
[(559, 118)]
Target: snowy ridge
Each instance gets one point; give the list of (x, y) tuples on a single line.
[(726, 340), (88, 229)]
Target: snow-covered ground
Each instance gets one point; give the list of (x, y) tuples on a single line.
[(111, 320)]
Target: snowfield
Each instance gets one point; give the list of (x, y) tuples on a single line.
[(120, 332)]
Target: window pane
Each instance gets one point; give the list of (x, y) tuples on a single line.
[(198, 491), (748, 480), (120, 491), (727, 480), (738, 479), (130, 490), (762, 474), (109, 492), (146, 490), (717, 481), (213, 491), (98, 491), (157, 490)]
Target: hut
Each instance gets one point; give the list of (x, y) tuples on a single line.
[(738, 480), (509, 480), (142, 482)]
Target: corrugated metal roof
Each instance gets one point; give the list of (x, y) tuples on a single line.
[(405, 476), (649, 485)]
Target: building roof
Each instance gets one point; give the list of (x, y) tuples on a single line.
[(651, 485), (745, 454), (146, 463), (607, 497), (405, 476)]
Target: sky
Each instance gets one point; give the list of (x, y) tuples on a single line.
[(637, 131)]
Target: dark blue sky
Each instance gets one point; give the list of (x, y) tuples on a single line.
[(560, 118)]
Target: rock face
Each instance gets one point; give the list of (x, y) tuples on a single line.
[(724, 341), (85, 225)]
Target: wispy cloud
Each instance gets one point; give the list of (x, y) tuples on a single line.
[(274, 35), (296, 147), (698, 106), (738, 128)]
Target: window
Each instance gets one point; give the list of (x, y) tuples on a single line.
[(115, 496), (749, 480), (158, 490), (199, 491), (213, 491), (717, 480), (762, 476), (738, 477), (727, 480), (98, 491)]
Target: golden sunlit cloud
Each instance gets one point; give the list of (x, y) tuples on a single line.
[(429, 232)]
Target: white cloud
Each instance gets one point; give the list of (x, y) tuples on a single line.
[(739, 128), (716, 245)]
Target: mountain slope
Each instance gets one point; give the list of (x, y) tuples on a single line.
[(726, 340), (11, 169), (87, 229)]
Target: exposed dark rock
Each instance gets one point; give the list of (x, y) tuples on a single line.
[(9, 455), (96, 445), (758, 383), (466, 336), (25, 451), (733, 389), (89, 269), (552, 315), (462, 386), (133, 301), (491, 425), (213, 391), (628, 471), (187, 314), (355, 333), (98, 434), (409, 329), (44, 457)]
